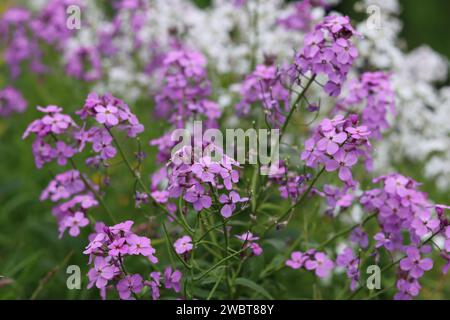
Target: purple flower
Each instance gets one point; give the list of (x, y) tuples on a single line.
[(102, 144), (84, 63), (172, 280), (154, 284), (131, 284), (447, 239), (183, 245), (414, 264), (249, 242), (424, 223), (118, 247), (101, 273), (328, 50), (321, 264), (297, 260), (360, 237), (350, 262), (141, 246), (229, 201), (75, 222), (106, 115), (11, 101), (247, 236), (62, 152), (331, 141), (196, 195), (342, 161), (206, 169)]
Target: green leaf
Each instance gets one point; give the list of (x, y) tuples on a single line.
[(254, 286)]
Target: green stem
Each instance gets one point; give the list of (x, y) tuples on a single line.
[(218, 264), (96, 194), (300, 201), (346, 231)]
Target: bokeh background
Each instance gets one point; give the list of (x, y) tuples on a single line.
[(33, 259)]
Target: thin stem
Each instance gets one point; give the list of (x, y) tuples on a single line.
[(346, 231), (227, 266), (218, 264), (294, 106), (300, 201), (96, 194)]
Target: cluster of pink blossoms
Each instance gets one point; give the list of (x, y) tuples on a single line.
[(290, 184), (336, 197), (329, 50), (24, 34), (403, 210), (48, 145), (185, 89), (70, 214), (108, 112), (11, 101), (373, 90), (84, 63), (198, 183), (183, 96), (264, 86), (337, 144), (108, 251)]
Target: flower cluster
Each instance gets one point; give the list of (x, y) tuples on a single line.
[(264, 86), (374, 92), (404, 210), (85, 64), (350, 262), (47, 146), (290, 184), (185, 89), (20, 44), (24, 34), (108, 249), (70, 214), (311, 260), (198, 183), (337, 144), (108, 112), (336, 197), (329, 50), (11, 101)]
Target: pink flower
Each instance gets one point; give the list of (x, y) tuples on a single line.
[(249, 242), (129, 285), (118, 247), (297, 260), (414, 264), (321, 264), (331, 141), (107, 115), (101, 273), (172, 280), (141, 246), (229, 201), (196, 195), (183, 245), (206, 169), (342, 161), (75, 222)]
